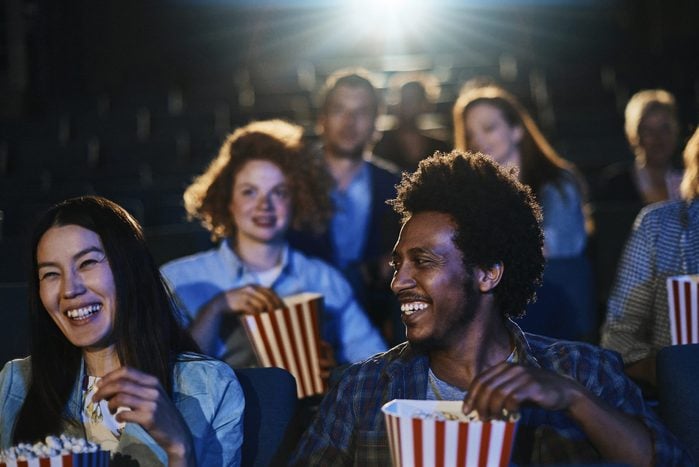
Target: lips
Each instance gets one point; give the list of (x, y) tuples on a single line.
[(265, 221)]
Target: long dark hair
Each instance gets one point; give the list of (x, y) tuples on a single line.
[(540, 163), (147, 330)]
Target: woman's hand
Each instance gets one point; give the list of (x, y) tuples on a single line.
[(151, 408), (249, 299)]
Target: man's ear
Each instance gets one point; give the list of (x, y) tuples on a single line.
[(488, 278)]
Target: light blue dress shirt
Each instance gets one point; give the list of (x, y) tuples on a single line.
[(351, 219), (196, 279), (205, 391)]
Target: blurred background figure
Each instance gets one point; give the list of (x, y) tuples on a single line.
[(408, 141), (363, 227), (663, 243), (261, 183), (652, 130), (489, 119)]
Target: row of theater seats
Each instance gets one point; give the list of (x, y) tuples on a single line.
[(270, 430)]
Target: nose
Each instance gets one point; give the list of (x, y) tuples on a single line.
[(402, 280), (265, 201), (73, 285)]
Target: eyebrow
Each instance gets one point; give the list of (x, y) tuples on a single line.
[(77, 255)]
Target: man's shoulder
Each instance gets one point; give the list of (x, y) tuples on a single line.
[(399, 357), (664, 211), (562, 354), (390, 363), (384, 168)]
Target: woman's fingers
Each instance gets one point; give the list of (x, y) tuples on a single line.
[(252, 299)]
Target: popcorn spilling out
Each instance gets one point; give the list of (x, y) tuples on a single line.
[(472, 416), (53, 446)]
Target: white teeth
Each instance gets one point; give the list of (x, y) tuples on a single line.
[(84, 312), (410, 308)]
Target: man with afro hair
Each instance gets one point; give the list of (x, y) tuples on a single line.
[(469, 257)]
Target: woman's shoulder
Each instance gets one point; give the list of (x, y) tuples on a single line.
[(15, 375), (194, 262), (19, 366), (312, 265), (193, 363)]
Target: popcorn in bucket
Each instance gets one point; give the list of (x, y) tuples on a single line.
[(63, 451), (683, 301), (437, 433), (289, 338)]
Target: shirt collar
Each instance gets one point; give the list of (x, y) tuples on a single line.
[(523, 352), (238, 268)]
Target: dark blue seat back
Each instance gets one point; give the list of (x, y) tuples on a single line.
[(677, 370), (565, 306), (15, 333), (270, 409)]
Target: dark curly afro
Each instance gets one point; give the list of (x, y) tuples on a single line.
[(497, 218)]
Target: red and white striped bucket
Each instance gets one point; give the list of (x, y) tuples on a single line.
[(421, 441), (84, 459), (683, 300), (289, 338)]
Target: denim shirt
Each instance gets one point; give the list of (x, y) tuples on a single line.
[(564, 221), (206, 393), (196, 279)]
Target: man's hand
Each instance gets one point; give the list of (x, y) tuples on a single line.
[(508, 386)]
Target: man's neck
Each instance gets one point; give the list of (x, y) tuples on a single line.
[(481, 346), (343, 169)]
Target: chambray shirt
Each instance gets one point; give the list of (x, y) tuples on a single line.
[(196, 279), (349, 428), (349, 225), (563, 219), (205, 391), (664, 242)]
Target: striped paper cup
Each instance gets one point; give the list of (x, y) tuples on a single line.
[(83, 459), (289, 338), (683, 301), (417, 438)]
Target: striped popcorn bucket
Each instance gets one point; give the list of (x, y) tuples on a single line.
[(84, 459), (289, 338), (416, 440), (683, 301)]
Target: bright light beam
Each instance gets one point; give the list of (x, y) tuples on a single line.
[(388, 19)]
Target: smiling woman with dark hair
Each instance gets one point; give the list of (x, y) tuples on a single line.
[(106, 340)]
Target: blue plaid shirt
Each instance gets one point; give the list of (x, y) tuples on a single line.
[(349, 428), (663, 243)]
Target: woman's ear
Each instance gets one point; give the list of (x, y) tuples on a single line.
[(488, 278), (517, 133)]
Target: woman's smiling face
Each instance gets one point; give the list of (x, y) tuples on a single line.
[(76, 285), (261, 202)]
